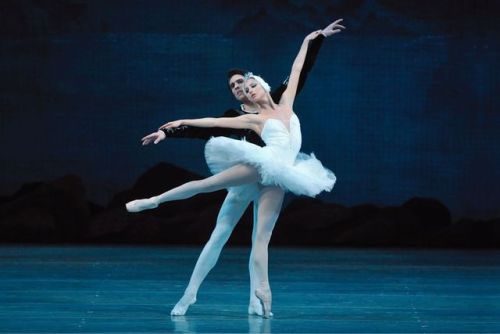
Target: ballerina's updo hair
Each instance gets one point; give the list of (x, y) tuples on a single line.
[(262, 82)]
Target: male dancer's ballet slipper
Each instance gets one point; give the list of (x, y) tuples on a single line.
[(141, 204), (265, 298)]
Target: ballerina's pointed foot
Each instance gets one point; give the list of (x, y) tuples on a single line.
[(183, 304), (265, 298), (141, 204)]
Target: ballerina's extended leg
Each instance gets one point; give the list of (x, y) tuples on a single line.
[(234, 176)]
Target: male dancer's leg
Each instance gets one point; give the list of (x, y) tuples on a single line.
[(270, 202), (235, 203)]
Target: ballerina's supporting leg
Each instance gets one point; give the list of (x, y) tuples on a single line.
[(230, 213), (270, 202), (254, 306), (231, 177)]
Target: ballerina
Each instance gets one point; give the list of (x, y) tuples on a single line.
[(279, 165), (237, 198)]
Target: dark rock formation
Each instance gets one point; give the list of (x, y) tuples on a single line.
[(468, 233), (187, 222), (53, 211), (57, 211)]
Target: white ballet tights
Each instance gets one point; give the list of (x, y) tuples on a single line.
[(231, 177), (232, 209), (270, 202)]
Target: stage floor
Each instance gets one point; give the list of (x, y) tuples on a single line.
[(132, 289)]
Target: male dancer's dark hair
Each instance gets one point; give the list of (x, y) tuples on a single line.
[(234, 71)]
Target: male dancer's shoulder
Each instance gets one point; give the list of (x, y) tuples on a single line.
[(233, 113)]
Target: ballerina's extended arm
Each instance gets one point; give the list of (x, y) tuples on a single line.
[(249, 121), (288, 96)]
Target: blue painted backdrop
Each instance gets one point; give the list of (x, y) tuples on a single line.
[(403, 103)]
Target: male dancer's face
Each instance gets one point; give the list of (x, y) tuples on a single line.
[(236, 83)]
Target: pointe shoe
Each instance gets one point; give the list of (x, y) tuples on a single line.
[(265, 298), (256, 309), (183, 304), (141, 204)]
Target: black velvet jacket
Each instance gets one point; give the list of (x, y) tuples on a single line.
[(251, 136)]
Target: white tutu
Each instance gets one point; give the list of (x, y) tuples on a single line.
[(279, 163)]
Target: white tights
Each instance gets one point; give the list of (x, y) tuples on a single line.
[(269, 205), (231, 177), (270, 202), (235, 204)]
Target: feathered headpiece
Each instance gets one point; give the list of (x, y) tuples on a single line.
[(259, 79)]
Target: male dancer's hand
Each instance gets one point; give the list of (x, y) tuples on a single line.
[(154, 137), (333, 28)]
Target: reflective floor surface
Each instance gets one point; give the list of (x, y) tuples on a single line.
[(123, 289)]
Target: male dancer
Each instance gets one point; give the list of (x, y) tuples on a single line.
[(238, 198)]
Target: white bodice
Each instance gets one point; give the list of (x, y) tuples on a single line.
[(283, 142)]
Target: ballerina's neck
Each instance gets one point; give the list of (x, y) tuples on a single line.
[(281, 113), (268, 104)]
